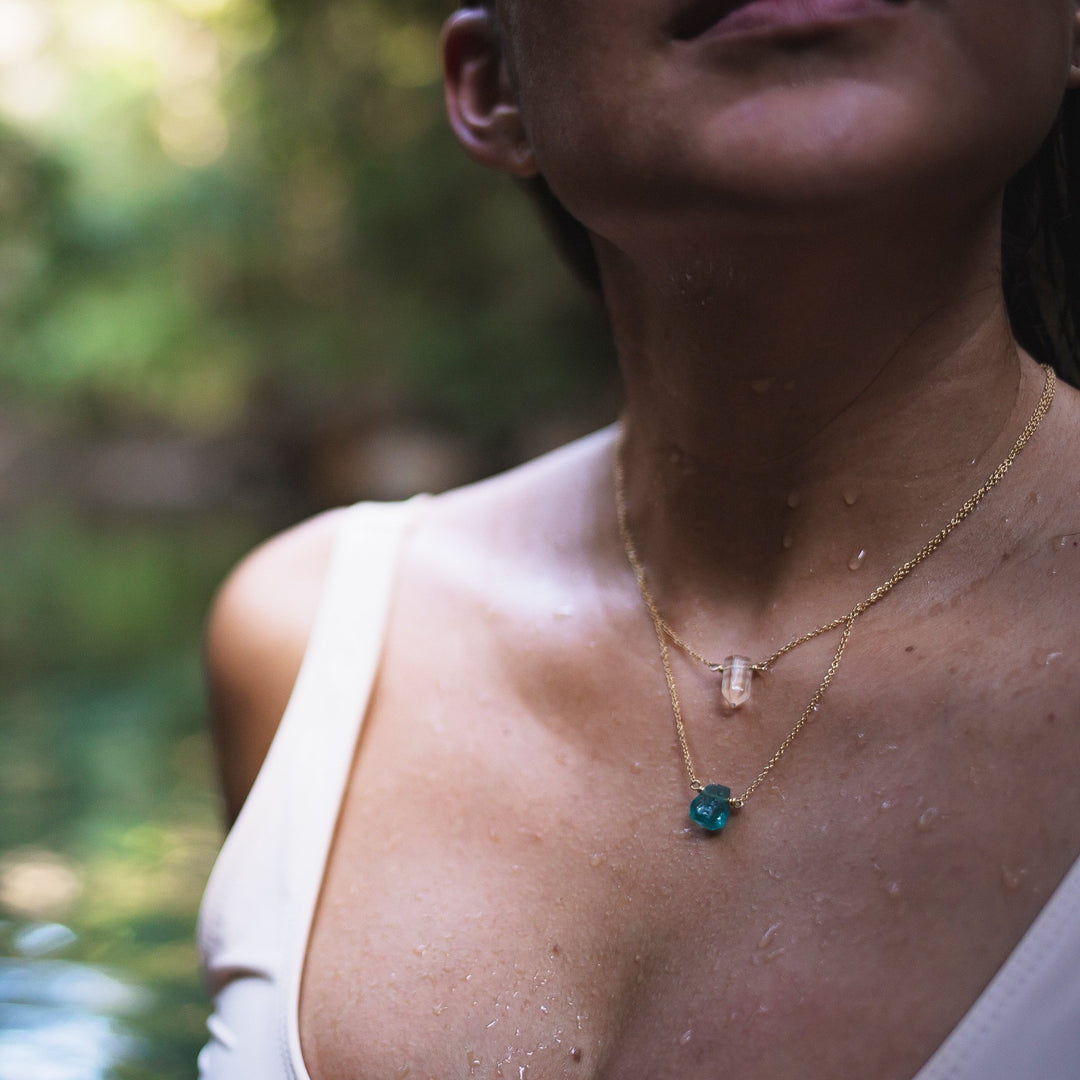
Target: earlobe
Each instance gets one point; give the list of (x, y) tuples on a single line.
[(480, 98)]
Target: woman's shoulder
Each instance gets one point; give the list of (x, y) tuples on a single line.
[(256, 635), (263, 615)]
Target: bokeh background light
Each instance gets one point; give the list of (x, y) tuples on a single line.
[(244, 274)]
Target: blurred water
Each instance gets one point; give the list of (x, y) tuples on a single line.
[(108, 815), (59, 1044), (61, 1020)]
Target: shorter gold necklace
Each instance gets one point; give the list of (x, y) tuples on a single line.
[(713, 803)]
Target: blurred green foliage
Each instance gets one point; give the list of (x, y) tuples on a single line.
[(209, 203)]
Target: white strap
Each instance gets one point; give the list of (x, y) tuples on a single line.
[(1026, 1023), (330, 701)]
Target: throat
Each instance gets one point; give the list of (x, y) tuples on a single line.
[(835, 519)]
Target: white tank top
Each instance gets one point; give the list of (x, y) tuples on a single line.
[(260, 901)]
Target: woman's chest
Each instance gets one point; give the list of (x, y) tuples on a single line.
[(514, 897)]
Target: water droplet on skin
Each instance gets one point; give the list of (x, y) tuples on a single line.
[(403, 1071), (420, 949), (851, 498), (472, 1060), (886, 805), (1012, 879), (928, 819), (637, 768), (856, 561), (788, 541), (1071, 540), (575, 1053), (1046, 659), (564, 612), (893, 889), (767, 937), (793, 500), (769, 957), (597, 860), (685, 1037)]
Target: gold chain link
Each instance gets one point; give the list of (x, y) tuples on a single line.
[(665, 632)]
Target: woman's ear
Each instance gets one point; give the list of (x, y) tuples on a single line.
[(480, 98)]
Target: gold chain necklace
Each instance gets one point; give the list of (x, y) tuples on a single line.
[(713, 803)]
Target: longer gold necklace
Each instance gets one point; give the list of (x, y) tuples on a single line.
[(713, 803)]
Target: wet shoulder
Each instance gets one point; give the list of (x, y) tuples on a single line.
[(536, 517), (256, 635)]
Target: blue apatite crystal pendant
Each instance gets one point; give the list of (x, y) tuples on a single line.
[(712, 807)]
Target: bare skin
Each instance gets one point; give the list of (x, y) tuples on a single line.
[(514, 889)]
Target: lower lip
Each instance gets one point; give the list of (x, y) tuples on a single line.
[(797, 18)]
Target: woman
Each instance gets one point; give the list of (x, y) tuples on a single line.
[(795, 209)]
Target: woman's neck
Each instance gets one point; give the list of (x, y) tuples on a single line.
[(794, 410)]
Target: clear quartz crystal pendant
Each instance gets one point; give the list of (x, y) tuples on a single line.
[(737, 678)]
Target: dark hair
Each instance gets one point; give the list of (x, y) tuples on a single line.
[(1040, 248), (1040, 256)]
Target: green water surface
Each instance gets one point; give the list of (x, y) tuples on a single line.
[(109, 820)]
